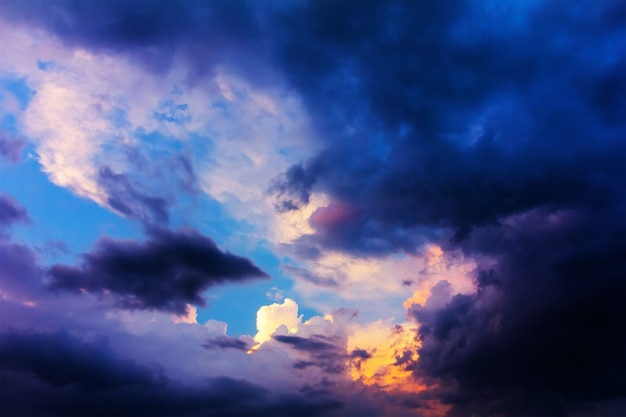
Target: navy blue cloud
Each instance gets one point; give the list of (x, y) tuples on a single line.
[(442, 117), (57, 374), (167, 272)]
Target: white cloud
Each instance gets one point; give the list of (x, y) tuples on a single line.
[(89, 106), (270, 318)]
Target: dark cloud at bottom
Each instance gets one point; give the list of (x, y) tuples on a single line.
[(57, 374)]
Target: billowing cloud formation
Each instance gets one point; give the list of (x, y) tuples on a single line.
[(269, 318), (166, 272), (478, 138), (485, 137), (458, 130)]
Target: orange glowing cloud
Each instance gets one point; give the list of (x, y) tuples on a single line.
[(391, 349)]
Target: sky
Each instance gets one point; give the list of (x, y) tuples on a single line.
[(312, 208)]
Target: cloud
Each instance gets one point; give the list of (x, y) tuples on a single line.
[(269, 318), (127, 200), (226, 342), (168, 271), (468, 153), (360, 353), (10, 149), (69, 376), (178, 136), (59, 360), (152, 34), (447, 144), (11, 212), (326, 352), (375, 349), (475, 128), (551, 305), (314, 344), (20, 274)]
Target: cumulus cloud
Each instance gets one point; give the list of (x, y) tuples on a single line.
[(168, 271), (269, 318)]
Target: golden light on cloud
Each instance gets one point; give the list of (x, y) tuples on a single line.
[(391, 348)]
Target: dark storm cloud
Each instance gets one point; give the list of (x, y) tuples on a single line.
[(226, 342), (544, 334), (500, 124), (126, 199), (59, 359), (453, 115), (10, 149), (68, 377), (168, 271), (11, 212), (495, 128)]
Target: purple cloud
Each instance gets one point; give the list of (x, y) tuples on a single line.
[(11, 149), (167, 272), (11, 212)]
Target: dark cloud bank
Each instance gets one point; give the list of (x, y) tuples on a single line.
[(497, 128), (57, 374)]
